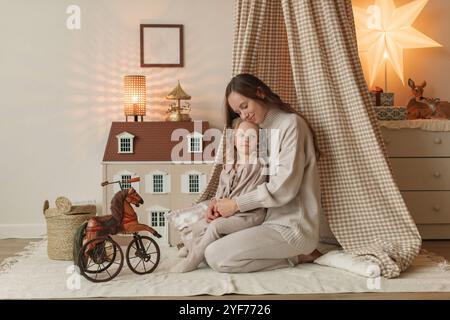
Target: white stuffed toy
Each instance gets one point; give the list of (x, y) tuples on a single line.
[(183, 219)]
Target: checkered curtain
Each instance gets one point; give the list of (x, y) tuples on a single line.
[(261, 46), (306, 51)]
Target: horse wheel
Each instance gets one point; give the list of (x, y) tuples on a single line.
[(98, 260), (143, 255), (97, 253)]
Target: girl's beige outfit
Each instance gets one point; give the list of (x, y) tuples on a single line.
[(232, 182)]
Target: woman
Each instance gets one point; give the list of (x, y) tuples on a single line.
[(290, 232)]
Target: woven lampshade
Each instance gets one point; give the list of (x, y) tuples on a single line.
[(135, 95)]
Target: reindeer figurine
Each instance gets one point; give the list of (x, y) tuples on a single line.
[(420, 107)]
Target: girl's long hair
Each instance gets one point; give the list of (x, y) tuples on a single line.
[(247, 85)]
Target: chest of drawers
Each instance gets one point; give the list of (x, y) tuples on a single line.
[(420, 161)]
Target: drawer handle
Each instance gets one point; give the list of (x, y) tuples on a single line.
[(436, 208), (437, 140), (437, 174), (387, 141)]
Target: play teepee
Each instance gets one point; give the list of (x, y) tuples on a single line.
[(307, 52)]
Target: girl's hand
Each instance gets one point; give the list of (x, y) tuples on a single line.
[(226, 207), (211, 212)]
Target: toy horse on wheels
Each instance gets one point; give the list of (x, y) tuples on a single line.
[(99, 257)]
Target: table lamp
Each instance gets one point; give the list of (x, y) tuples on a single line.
[(135, 96)]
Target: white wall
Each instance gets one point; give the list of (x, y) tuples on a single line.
[(61, 89)]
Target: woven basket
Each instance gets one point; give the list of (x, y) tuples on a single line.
[(62, 223)]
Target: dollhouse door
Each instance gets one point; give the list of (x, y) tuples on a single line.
[(157, 220)]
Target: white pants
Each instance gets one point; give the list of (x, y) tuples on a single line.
[(255, 249), (204, 233)]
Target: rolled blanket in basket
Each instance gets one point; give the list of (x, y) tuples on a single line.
[(349, 262), (62, 223)]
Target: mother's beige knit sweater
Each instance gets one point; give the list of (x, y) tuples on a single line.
[(292, 194)]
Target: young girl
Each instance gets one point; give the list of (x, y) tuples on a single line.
[(242, 176)]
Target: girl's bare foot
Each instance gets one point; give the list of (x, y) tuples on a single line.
[(308, 258)]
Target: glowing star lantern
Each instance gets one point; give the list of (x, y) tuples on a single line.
[(384, 31)]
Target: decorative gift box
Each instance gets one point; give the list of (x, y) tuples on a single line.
[(380, 98), (391, 113), (384, 99)]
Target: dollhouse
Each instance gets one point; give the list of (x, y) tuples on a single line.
[(171, 160)]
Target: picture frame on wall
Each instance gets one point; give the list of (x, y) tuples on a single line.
[(161, 45)]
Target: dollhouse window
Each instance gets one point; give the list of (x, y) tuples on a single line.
[(158, 219), (162, 219), (157, 182), (125, 185), (193, 182), (195, 143), (125, 175), (154, 221), (125, 142), (194, 186), (125, 145)]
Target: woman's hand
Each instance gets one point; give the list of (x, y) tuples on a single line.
[(226, 207), (211, 212)]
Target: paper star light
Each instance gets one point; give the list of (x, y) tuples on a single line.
[(384, 31)]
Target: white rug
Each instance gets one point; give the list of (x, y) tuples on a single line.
[(32, 275)]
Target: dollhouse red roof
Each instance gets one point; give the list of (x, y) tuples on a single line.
[(152, 140)]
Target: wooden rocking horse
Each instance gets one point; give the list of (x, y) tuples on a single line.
[(99, 257)]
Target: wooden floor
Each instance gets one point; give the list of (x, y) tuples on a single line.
[(9, 247)]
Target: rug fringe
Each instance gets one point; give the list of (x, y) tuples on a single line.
[(6, 265), (443, 263)]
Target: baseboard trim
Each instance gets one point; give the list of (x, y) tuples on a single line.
[(24, 231)]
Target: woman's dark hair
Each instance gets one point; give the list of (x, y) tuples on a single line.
[(247, 85)]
